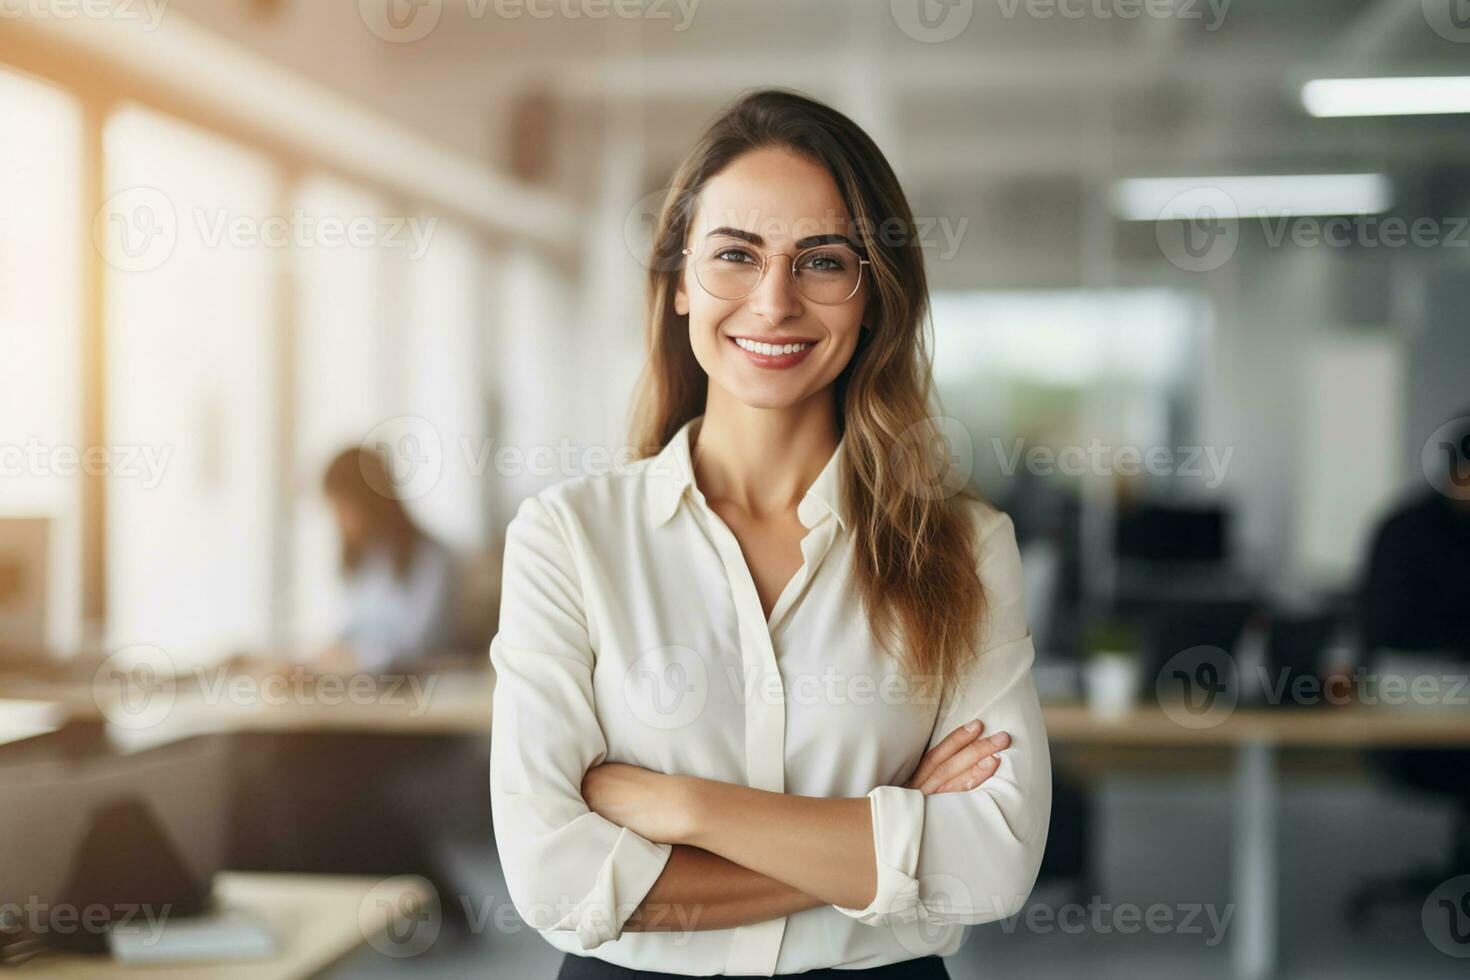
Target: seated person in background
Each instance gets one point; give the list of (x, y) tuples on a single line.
[(400, 582), (1415, 596), (1417, 590)]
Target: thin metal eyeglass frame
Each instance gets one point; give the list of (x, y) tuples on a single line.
[(766, 265)]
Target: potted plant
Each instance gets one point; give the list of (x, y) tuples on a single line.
[(1111, 675)]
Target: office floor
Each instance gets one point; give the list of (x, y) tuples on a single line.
[(1331, 831)]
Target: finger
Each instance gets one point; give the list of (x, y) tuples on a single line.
[(952, 743), (971, 778), (965, 758)]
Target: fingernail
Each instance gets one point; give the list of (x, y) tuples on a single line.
[(1002, 739), (973, 726), (970, 783), (987, 762)]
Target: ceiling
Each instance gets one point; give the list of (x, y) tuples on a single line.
[(1018, 118)]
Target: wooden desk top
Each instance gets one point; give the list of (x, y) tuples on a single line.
[(318, 918), (459, 703), (1327, 726), (20, 720), (451, 703)]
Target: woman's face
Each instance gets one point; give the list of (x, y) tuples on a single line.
[(349, 518), (777, 203)]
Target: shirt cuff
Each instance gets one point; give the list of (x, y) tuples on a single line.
[(898, 827), (622, 883)]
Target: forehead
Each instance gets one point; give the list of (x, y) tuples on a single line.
[(779, 195)]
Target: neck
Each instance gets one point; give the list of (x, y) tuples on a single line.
[(763, 460)]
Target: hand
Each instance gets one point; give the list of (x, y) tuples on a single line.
[(961, 762), (258, 666), (338, 658), (653, 805)]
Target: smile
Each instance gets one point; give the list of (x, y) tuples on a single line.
[(774, 355)]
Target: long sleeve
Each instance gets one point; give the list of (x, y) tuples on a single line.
[(566, 867), (972, 857)]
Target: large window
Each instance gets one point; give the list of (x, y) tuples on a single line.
[(40, 338), (443, 342), (190, 312), (344, 377), (1025, 371), (251, 323)]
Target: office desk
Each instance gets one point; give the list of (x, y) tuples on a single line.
[(1255, 736), (460, 704), (318, 918), (451, 703), (20, 720)]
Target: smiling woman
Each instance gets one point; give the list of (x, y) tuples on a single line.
[(764, 702)]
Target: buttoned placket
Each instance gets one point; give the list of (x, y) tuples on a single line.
[(755, 948)]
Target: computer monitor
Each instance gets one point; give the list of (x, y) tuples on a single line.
[(1160, 533), (59, 818)]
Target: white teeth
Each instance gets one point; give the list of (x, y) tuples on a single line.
[(770, 349)]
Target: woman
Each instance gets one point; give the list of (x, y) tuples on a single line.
[(400, 582), (764, 702)]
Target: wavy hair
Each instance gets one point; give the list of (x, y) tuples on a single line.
[(915, 553)]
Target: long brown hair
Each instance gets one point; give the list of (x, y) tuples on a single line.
[(359, 478), (914, 549)]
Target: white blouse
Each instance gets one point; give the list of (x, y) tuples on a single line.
[(631, 631)]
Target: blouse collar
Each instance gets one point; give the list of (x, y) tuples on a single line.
[(671, 475)]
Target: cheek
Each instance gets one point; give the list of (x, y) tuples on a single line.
[(844, 327), (706, 315)]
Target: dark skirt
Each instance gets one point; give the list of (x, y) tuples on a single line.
[(591, 968)]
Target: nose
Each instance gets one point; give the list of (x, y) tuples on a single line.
[(775, 298)]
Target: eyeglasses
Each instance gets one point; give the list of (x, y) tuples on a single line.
[(728, 268)]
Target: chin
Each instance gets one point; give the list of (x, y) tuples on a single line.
[(770, 396)]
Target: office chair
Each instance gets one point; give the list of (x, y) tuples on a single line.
[(1440, 772)]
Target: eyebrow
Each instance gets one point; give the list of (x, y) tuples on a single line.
[(808, 242)]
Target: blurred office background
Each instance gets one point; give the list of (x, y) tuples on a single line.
[(1199, 324)]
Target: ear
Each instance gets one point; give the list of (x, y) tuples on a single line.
[(681, 297)]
